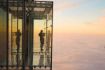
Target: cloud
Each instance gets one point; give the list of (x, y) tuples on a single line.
[(96, 27), (100, 21), (103, 11), (64, 6)]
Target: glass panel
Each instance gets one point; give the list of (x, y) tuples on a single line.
[(3, 36), (15, 35), (41, 54), (43, 42), (49, 38), (38, 26)]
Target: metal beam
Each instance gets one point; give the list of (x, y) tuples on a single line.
[(38, 4)]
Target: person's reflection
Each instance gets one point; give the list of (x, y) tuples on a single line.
[(41, 60), (18, 34), (48, 41), (41, 35)]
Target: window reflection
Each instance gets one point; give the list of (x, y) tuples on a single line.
[(3, 36)]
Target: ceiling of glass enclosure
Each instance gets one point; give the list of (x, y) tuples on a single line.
[(39, 9)]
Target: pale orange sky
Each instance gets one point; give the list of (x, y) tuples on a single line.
[(94, 27)]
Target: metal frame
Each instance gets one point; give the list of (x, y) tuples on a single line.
[(7, 37), (38, 4)]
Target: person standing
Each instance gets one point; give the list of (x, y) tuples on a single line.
[(18, 34), (41, 35)]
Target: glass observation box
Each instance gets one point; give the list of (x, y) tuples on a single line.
[(26, 35)]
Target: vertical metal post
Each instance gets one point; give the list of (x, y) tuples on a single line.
[(11, 40), (17, 45), (17, 14), (46, 30), (52, 38), (31, 41), (7, 20), (23, 21), (23, 36)]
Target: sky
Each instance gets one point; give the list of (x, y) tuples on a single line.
[(79, 52), (79, 16)]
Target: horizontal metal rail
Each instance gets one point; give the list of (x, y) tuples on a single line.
[(37, 4)]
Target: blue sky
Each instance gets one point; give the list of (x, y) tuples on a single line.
[(79, 16)]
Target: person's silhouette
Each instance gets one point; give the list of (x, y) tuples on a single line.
[(41, 35), (18, 34)]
